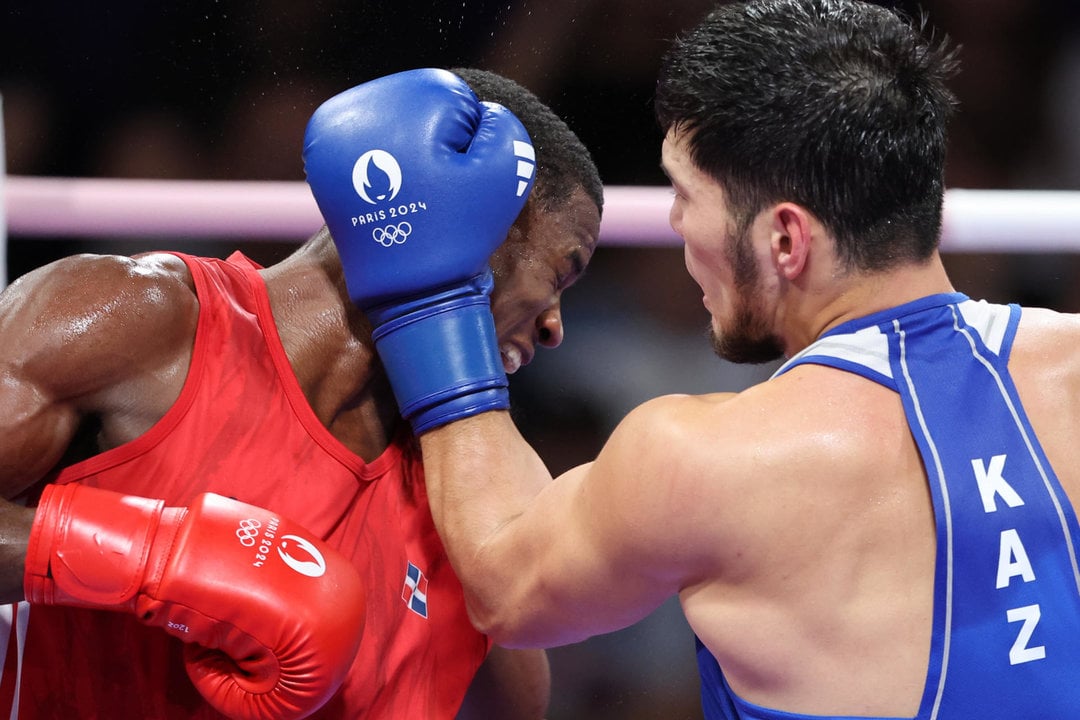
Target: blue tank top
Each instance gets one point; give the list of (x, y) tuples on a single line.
[(1006, 637)]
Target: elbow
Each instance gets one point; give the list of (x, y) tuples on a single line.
[(509, 603), (493, 621), (501, 622)]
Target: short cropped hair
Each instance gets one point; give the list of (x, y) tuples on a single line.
[(838, 105), (562, 160)]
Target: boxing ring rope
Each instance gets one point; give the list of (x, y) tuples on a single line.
[(1024, 221)]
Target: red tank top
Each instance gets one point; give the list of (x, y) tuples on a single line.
[(243, 428)]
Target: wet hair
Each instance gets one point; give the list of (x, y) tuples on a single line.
[(562, 160), (837, 105)]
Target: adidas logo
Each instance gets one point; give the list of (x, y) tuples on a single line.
[(526, 165)]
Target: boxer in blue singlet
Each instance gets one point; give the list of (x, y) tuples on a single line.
[(883, 529)]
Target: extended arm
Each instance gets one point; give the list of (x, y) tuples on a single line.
[(549, 562)]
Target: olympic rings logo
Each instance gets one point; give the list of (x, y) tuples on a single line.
[(248, 531), (392, 234)]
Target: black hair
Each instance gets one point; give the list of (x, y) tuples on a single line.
[(838, 105), (562, 160)]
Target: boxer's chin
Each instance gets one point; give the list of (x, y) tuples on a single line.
[(744, 347)]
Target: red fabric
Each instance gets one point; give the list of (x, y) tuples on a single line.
[(242, 428)]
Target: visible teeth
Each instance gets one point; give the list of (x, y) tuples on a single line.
[(511, 359)]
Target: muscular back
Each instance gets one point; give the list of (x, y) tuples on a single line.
[(822, 597), (824, 522), (101, 349)]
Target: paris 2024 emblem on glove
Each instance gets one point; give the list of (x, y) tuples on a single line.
[(414, 163), (377, 179)]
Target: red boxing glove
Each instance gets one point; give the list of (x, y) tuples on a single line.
[(273, 617)]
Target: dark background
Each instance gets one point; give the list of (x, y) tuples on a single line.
[(222, 90)]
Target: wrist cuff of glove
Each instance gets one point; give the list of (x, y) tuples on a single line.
[(443, 362), (89, 547)]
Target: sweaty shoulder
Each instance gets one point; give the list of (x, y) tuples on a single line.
[(813, 432), (1044, 351), (1043, 332), (770, 424), (1045, 368), (708, 443), (670, 424), (658, 474), (83, 323)]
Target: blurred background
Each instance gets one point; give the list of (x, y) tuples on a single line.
[(222, 90)]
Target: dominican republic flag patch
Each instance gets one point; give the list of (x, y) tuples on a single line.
[(415, 591)]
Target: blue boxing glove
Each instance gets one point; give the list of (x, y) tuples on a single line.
[(419, 182)]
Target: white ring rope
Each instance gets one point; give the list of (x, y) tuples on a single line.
[(1022, 221)]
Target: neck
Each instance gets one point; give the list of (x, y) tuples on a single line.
[(328, 343), (861, 294)]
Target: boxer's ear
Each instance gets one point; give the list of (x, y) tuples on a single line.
[(792, 232)]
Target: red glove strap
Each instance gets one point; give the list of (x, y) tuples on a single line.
[(89, 547)]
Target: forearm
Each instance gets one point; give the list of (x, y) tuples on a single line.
[(481, 476), (15, 523)]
